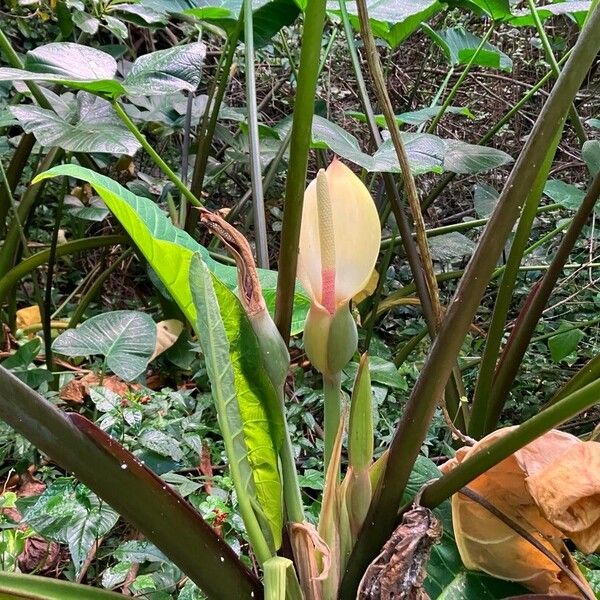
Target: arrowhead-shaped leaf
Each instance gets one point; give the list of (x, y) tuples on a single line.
[(166, 71), (92, 127), (125, 338)]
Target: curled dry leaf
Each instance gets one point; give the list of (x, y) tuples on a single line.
[(550, 483), (77, 390), (28, 316), (400, 570), (167, 333)]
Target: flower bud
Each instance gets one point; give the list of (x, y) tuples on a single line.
[(330, 341)]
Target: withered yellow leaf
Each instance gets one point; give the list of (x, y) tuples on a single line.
[(488, 544), (167, 333), (28, 316)]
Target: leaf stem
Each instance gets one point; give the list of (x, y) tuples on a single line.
[(460, 80), (533, 307), (260, 225), (567, 408), (160, 163), (208, 124), (505, 294), (332, 392), (573, 115), (314, 20)]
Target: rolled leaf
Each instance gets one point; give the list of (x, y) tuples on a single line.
[(245, 399)]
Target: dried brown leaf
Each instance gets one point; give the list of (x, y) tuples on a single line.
[(400, 570), (488, 544)]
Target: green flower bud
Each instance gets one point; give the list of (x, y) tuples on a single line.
[(330, 341)]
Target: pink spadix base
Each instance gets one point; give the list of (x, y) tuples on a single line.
[(328, 290)]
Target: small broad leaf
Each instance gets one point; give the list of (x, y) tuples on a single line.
[(125, 338), (496, 9), (594, 123), (393, 21), (461, 157), (81, 67), (93, 126), (71, 61), (590, 153), (460, 45), (86, 22), (563, 193), (426, 153), (451, 246), (485, 198), (268, 18), (74, 65), (416, 117), (94, 210), (71, 514), (381, 371), (166, 71), (563, 344)]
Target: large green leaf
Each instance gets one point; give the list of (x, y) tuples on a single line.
[(524, 17), (245, 399), (167, 248), (134, 491), (460, 45), (426, 153), (126, 338), (81, 67), (16, 586), (92, 126), (393, 20), (71, 514), (447, 578), (166, 71), (496, 9), (416, 117)]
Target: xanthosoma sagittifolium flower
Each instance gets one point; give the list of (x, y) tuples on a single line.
[(339, 243)]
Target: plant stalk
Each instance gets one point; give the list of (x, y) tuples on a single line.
[(260, 225), (314, 21), (504, 296), (533, 307), (154, 155), (332, 397)]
